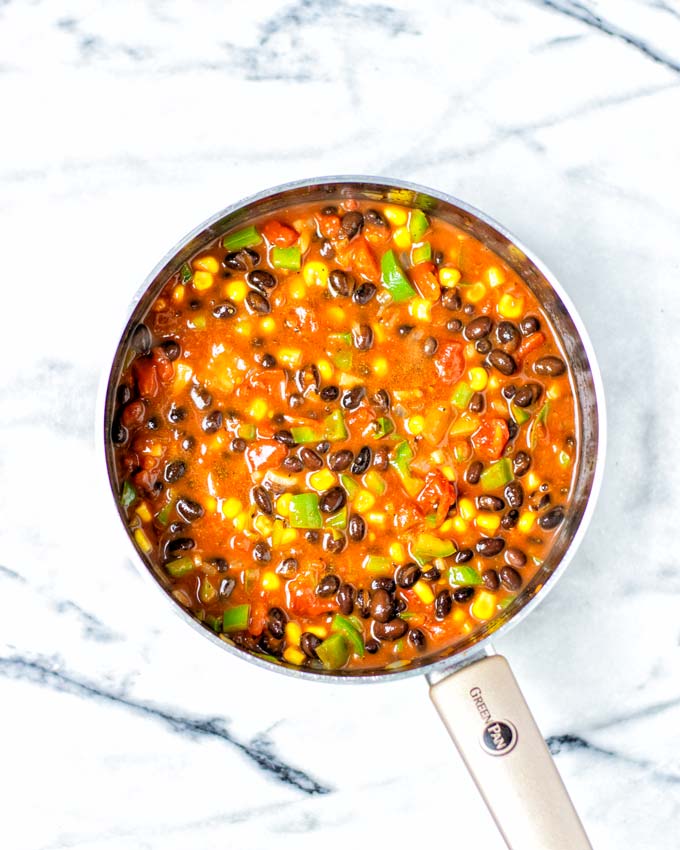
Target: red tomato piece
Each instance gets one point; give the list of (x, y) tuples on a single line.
[(530, 343), (450, 361), (329, 225), (265, 454), (363, 262), (133, 413), (164, 367), (407, 516), (146, 377), (425, 280), (270, 381), (490, 438), (258, 616), (438, 495), (303, 600), (279, 234)]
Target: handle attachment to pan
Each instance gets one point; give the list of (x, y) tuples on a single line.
[(492, 726)]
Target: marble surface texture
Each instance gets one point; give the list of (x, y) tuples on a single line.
[(125, 124)]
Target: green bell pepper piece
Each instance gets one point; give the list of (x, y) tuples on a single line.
[(377, 564), (427, 547), (519, 414), (421, 253), (304, 511), (393, 278), (345, 627), (247, 431), (180, 567), (236, 619), (497, 475), (342, 359), (215, 623), (462, 394), (349, 484), (338, 520), (543, 413), (341, 340), (463, 575), (335, 428), (185, 273), (306, 434), (246, 238), (163, 516), (417, 225), (286, 258), (333, 652), (128, 494), (401, 457), (383, 426)]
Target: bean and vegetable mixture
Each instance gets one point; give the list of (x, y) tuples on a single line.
[(345, 435)]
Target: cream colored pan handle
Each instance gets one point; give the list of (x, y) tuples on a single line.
[(490, 723)]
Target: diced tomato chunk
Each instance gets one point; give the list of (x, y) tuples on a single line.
[(279, 234), (450, 361), (265, 454), (363, 262), (329, 226), (438, 494), (146, 377), (259, 609), (426, 282), (530, 343), (407, 516), (302, 598), (490, 438), (164, 367)]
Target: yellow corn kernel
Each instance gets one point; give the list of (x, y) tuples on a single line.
[(315, 273), (448, 276), (290, 357), (202, 280), (325, 368), (178, 294), (470, 351), (319, 631), (484, 606), (397, 216), (487, 521), (183, 373), (495, 276), (376, 518), (241, 521), (563, 458), (459, 525), (510, 307), (447, 526), (533, 481), (283, 504), (467, 509), (380, 367), (236, 290), (402, 238), (398, 553), (379, 333), (207, 264), (423, 591), (293, 633), (294, 656), (270, 581), (142, 510), (553, 392), (525, 522), (322, 480), (364, 501), (493, 382), (210, 504), (479, 378), (420, 309), (263, 525), (288, 535), (449, 473), (142, 541), (243, 327), (258, 409), (475, 292), (375, 482), (458, 614), (297, 287), (231, 507), (336, 315), (415, 424), (267, 325)]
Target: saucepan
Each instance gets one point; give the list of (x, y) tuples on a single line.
[(471, 686)]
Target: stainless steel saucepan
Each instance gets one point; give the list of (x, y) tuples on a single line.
[(472, 687)]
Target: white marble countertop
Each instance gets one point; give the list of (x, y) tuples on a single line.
[(125, 124)]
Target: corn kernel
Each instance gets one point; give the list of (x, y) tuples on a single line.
[(315, 273), (236, 290), (415, 424), (142, 541), (270, 581), (397, 216), (231, 507), (202, 280), (293, 633), (288, 535), (458, 615), (479, 378), (449, 473), (466, 509), (183, 373), (336, 315), (379, 332), (283, 504), (142, 510), (420, 309), (267, 325), (402, 238), (448, 276), (207, 264), (487, 521), (290, 357), (322, 480), (510, 307), (210, 504), (526, 521), (243, 327), (484, 606), (398, 553), (364, 501), (325, 368), (533, 481), (178, 294), (294, 656), (553, 392), (423, 591), (263, 525), (304, 239), (495, 276), (563, 458), (380, 367), (447, 526), (319, 631), (493, 383), (376, 518), (475, 292), (258, 409), (241, 521), (297, 287)]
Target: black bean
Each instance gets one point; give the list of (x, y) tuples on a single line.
[(141, 339), (527, 395), (407, 575), (478, 328), (351, 399), (174, 471), (212, 422), (513, 429), (220, 563), (268, 361), (200, 397), (491, 580), (283, 435), (351, 224), (443, 603), (363, 337), (483, 346), (400, 605), (363, 603), (381, 400), (276, 622), (308, 377), (476, 404), (171, 349), (432, 574), (123, 394), (515, 557), (539, 502), (329, 210), (332, 500), (323, 447), (463, 594), (372, 646), (364, 293), (430, 346), (502, 361), (529, 325), (296, 400), (510, 519), (189, 510), (340, 460), (176, 527), (489, 546), (416, 637), (514, 493), (375, 218), (153, 423), (509, 391), (195, 305), (391, 631), (287, 567), (328, 586), (356, 528), (258, 303), (226, 588), (490, 503), (236, 260), (451, 300), (179, 544), (188, 443), (334, 542), (345, 599), (510, 578), (521, 463), (362, 461), (454, 325), (469, 309), (261, 279), (329, 393), (474, 472), (384, 583), (309, 643), (224, 310), (340, 282), (382, 606), (262, 552), (508, 336), (462, 556), (292, 463), (381, 460), (405, 330), (550, 366), (263, 500), (326, 250), (311, 459), (552, 519)]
